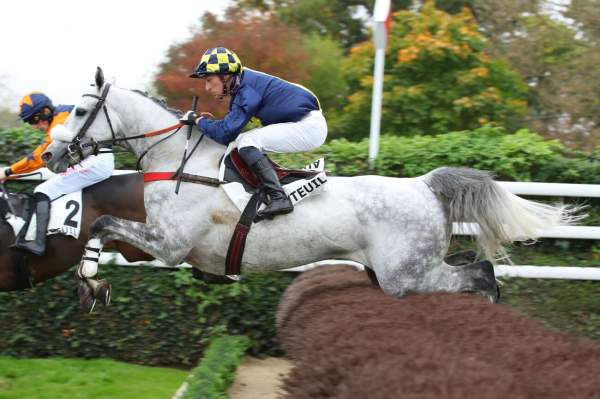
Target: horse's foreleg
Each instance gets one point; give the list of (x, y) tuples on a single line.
[(89, 289), (169, 249), (108, 228)]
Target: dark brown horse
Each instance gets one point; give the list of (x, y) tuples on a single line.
[(121, 196)]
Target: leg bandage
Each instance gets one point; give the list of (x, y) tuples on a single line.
[(89, 263)]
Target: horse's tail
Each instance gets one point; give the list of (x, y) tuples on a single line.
[(474, 197)]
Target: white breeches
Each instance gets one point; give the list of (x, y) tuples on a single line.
[(91, 170), (305, 135)]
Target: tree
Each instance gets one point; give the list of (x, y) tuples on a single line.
[(454, 6), (261, 42), (342, 20), (557, 57), (438, 78), (326, 71)]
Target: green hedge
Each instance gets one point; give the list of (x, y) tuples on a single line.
[(216, 371), (519, 156), (18, 142), (157, 317)]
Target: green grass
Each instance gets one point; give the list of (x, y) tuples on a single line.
[(84, 379), (567, 305)]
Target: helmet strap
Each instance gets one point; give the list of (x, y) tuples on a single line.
[(230, 84)]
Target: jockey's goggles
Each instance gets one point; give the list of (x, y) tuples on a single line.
[(35, 118)]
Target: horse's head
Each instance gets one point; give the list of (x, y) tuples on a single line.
[(89, 127)]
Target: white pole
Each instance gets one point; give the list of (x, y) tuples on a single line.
[(376, 105), (380, 15)]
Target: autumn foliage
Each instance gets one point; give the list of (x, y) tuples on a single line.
[(438, 78), (261, 41)]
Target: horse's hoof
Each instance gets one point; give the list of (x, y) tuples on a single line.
[(497, 297), (93, 304), (86, 297), (492, 295), (104, 292), (101, 290), (212, 278)]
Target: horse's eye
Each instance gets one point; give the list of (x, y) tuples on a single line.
[(80, 111)]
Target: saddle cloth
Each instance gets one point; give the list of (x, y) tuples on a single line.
[(65, 217), (297, 190)]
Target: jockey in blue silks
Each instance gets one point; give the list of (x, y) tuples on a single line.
[(290, 115)]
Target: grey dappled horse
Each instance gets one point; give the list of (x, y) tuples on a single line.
[(399, 228)]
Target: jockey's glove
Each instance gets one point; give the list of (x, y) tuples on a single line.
[(4, 173), (189, 118)]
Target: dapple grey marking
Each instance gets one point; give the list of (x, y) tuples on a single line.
[(400, 228)]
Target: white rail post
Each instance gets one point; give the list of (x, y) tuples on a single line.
[(381, 17)]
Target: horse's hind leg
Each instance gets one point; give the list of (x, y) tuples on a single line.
[(475, 277), (483, 279), (461, 258), (423, 276)]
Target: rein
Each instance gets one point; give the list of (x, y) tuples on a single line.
[(101, 104), (76, 146)]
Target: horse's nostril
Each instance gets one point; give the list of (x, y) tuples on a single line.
[(46, 156)]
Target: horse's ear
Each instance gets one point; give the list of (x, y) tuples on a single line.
[(99, 78)]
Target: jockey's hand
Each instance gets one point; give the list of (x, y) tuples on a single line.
[(189, 118), (4, 173)]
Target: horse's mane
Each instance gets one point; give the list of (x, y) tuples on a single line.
[(160, 101)]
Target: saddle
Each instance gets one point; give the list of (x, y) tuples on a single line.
[(308, 180), (22, 203), (236, 170)]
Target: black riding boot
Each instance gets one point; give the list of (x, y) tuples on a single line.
[(42, 212), (279, 203)]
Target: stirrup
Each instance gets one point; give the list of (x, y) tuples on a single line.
[(270, 214)]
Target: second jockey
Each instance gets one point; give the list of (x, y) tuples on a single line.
[(37, 110), (291, 118)]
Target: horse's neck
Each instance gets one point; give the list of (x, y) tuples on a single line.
[(142, 115)]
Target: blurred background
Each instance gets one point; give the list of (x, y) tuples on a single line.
[(504, 85)]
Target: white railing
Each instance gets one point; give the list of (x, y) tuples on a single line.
[(520, 188)]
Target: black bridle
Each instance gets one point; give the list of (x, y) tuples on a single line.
[(76, 147)]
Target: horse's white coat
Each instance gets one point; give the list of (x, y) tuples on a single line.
[(397, 227)]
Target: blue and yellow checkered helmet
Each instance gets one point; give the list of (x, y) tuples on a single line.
[(32, 104), (217, 61)]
